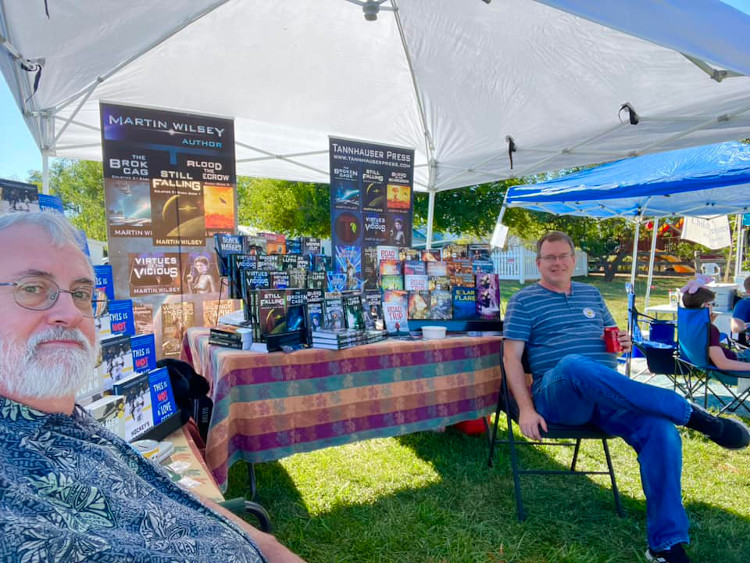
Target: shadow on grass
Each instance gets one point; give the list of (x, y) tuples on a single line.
[(467, 513)]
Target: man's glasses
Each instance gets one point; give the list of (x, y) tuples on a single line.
[(552, 257), (39, 294)]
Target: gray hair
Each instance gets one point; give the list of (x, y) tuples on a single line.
[(56, 225)]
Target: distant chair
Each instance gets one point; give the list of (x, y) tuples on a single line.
[(711, 269)]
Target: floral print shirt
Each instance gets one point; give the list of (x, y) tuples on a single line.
[(70, 490)]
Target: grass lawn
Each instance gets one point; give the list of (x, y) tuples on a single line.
[(431, 497)]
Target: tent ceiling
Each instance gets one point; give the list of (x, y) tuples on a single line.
[(699, 181), (449, 78)]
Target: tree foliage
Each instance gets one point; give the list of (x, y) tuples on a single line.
[(294, 208), (80, 185)]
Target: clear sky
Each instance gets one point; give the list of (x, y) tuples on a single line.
[(19, 153)]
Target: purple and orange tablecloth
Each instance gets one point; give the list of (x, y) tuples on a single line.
[(269, 406)]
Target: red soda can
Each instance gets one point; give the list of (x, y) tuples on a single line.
[(611, 343)]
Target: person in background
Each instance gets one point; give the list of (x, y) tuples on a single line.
[(720, 356), (70, 490), (741, 315), (559, 323)]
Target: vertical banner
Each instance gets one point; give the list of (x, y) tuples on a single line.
[(371, 205), (169, 185)]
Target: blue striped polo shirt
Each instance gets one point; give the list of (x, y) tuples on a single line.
[(554, 325)]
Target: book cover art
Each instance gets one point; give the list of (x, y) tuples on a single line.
[(483, 266), (349, 263), (311, 245), (279, 280), (464, 303), (390, 267), (297, 278), (177, 213), (200, 274), (462, 280), (334, 313), (103, 326), (143, 316), (214, 309), (128, 207), (296, 299), (314, 316), (288, 261), (354, 312), (322, 263), (162, 398), (395, 309), (373, 195), (488, 296), (438, 282), (437, 268), (373, 307), (226, 245), (370, 267), (316, 280), (138, 412), (315, 295), (415, 267), (336, 282), (345, 194), (269, 262), (398, 229), (387, 253), (441, 305), (419, 305), (255, 245), (375, 229), (275, 243), (479, 251), (109, 411), (432, 255), (455, 251), (398, 197), (304, 262), (293, 245), (411, 254), (238, 263), (392, 282), (103, 280), (117, 360), (154, 273), (415, 283), (459, 266), (175, 320), (143, 349), (218, 204), (271, 311)]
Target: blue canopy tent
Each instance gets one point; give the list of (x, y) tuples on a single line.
[(702, 181)]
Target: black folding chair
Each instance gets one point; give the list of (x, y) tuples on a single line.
[(556, 432)]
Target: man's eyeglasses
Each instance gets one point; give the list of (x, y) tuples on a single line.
[(39, 294), (552, 257)]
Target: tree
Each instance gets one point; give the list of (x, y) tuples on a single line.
[(295, 208), (80, 185)]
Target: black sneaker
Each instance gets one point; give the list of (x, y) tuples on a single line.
[(727, 432), (675, 554)]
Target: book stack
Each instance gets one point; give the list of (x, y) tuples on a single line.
[(230, 336), (340, 339)]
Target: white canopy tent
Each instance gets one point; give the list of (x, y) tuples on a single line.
[(461, 81)]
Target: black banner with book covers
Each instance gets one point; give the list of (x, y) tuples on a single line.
[(170, 185), (371, 205)]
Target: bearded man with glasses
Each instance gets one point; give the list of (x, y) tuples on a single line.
[(559, 324), (69, 489)]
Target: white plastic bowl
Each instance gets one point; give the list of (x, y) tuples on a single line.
[(433, 332)]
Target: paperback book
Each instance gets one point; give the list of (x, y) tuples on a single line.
[(162, 398), (415, 267), (464, 303), (395, 308), (138, 416), (143, 349), (415, 282), (488, 296), (121, 317), (373, 306), (271, 313), (419, 305), (109, 411), (296, 299), (392, 282), (354, 312), (441, 305), (334, 313)]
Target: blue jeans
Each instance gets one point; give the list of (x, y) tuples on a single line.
[(579, 390)]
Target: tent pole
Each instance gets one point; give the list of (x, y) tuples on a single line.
[(651, 262), (738, 236), (430, 218), (45, 171), (634, 266)]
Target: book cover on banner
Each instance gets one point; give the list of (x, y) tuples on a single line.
[(488, 296), (464, 303), (296, 299), (128, 207), (395, 308), (415, 283), (109, 411), (138, 410), (349, 262), (334, 313), (373, 306), (213, 310), (104, 280), (419, 305), (415, 268), (121, 317), (143, 349), (226, 245), (200, 276), (271, 311), (117, 358), (175, 320), (354, 312), (162, 398), (441, 304), (218, 205), (177, 212), (154, 273)]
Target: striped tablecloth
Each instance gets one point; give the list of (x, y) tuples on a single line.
[(268, 406)]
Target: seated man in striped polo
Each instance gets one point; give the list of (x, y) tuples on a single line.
[(559, 324)]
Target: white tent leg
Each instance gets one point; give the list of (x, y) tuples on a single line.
[(738, 235), (651, 262), (45, 171), (634, 267), (430, 218)]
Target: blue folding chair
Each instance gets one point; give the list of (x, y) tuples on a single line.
[(693, 336)]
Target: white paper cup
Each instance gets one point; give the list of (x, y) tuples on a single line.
[(433, 332)]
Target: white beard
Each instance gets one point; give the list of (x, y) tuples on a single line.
[(28, 371)]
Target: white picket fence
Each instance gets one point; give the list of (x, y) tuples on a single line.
[(519, 263)]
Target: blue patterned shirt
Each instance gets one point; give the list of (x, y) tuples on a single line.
[(70, 490), (555, 325)]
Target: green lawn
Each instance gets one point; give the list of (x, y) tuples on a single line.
[(431, 497)]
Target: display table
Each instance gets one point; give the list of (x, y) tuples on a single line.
[(189, 463), (268, 406)]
